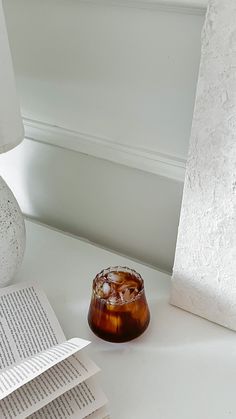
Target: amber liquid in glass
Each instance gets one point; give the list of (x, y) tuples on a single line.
[(118, 310)]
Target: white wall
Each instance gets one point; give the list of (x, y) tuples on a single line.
[(115, 75), (133, 212), (116, 83)]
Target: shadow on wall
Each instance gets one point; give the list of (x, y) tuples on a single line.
[(127, 210)]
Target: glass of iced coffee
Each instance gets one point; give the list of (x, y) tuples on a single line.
[(118, 310)]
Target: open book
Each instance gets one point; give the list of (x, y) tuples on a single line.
[(41, 374)]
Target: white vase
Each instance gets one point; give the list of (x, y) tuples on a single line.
[(12, 235)]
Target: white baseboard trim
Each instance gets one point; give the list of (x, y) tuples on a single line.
[(179, 6), (165, 165)]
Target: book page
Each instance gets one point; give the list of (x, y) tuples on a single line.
[(14, 377), (47, 386), (76, 403), (28, 324), (41, 375), (99, 414)]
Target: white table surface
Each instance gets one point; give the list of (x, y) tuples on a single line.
[(182, 367)]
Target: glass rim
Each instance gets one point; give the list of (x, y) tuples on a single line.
[(119, 269)]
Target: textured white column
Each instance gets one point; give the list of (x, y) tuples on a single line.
[(204, 275)]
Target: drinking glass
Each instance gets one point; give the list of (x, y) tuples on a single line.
[(118, 309)]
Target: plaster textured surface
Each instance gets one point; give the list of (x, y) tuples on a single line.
[(204, 275), (12, 234)]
